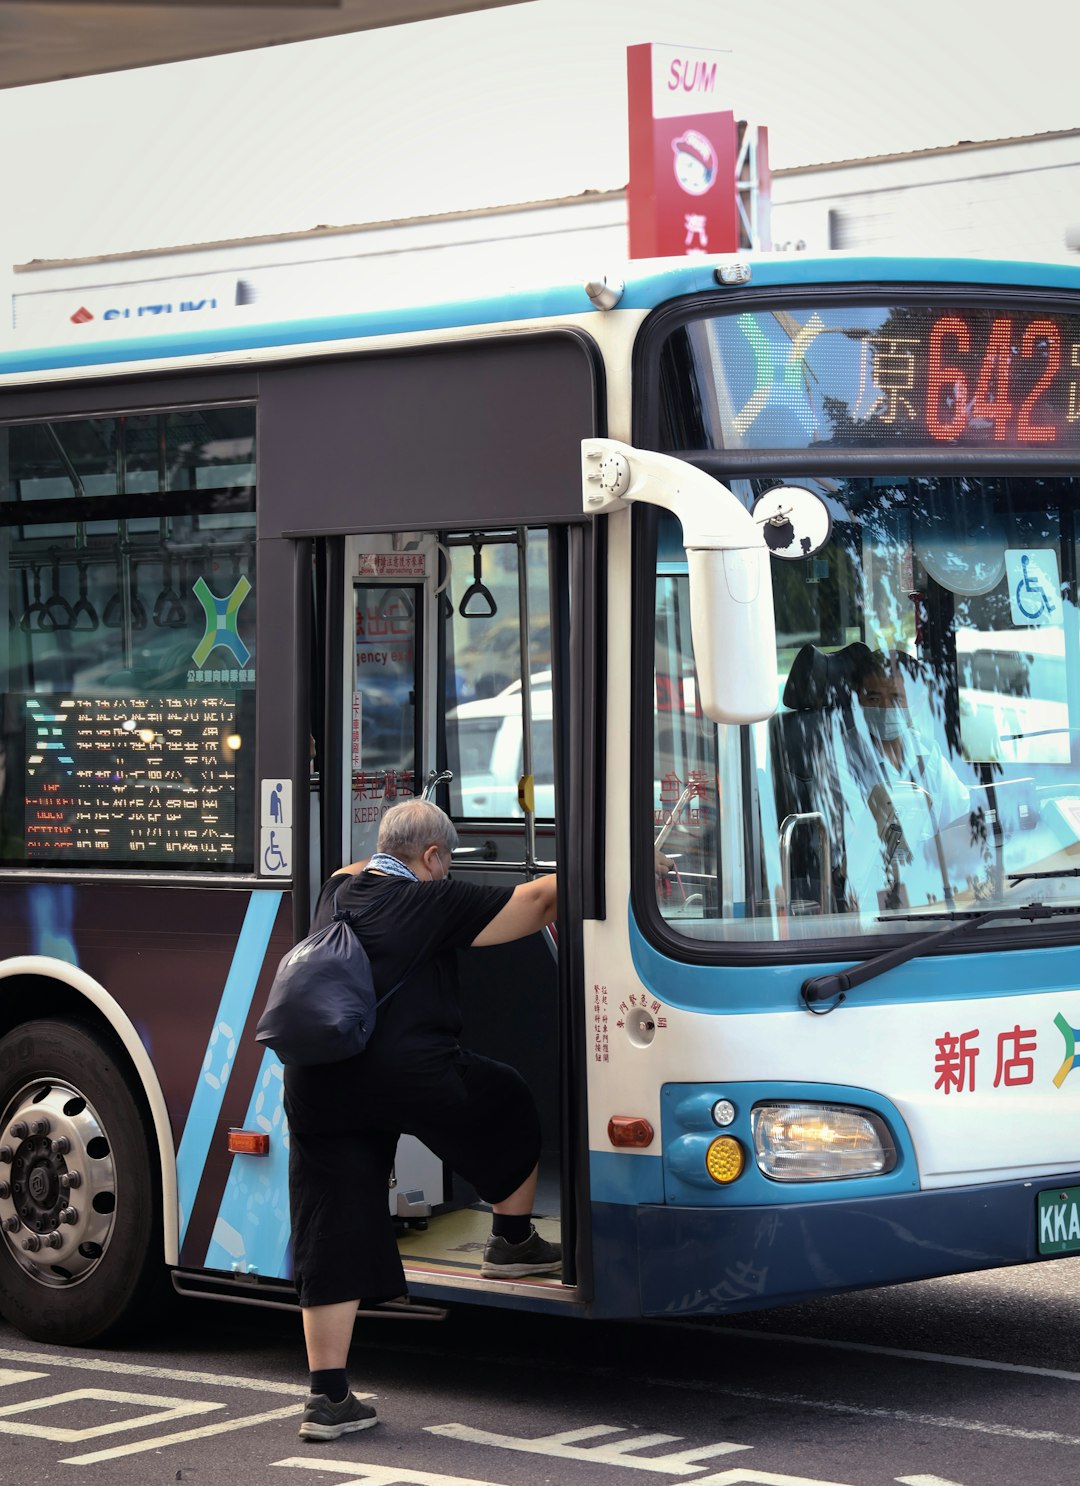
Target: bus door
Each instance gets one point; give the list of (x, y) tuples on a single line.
[(447, 686)]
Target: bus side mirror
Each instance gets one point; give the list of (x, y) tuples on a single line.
[(731, 606), (732, 627)]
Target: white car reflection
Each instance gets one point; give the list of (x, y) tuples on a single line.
[(485, 737), (1013, 700)]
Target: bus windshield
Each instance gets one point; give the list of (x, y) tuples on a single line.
[(925, 753)]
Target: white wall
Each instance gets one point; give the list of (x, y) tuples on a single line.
[(1019, 199)]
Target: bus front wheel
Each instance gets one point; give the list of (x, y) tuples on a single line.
[(80, 1201)]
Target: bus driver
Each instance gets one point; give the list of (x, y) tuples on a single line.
[(910, 788)]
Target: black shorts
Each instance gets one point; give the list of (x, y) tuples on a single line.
[(475, 1114)]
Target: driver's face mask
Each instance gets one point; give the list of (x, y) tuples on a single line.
[(886, 724)]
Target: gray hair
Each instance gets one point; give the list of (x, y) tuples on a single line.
[(410, 827)]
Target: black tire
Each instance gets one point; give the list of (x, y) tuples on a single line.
[(80, 1201)]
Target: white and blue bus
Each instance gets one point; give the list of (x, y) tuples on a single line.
[(742, 593)]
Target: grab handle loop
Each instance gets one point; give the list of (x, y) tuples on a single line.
[(138, 608), (57, 608), (394, 596), (477, 589), (82, 607), (113, 617), (169, 606), (36, 609)]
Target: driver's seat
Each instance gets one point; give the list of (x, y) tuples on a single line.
[(805, 740)]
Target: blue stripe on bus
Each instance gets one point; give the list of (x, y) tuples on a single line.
[(217, 1064), (726, 990), (874, 272), (644, 290), (51, 920), (625, 1177), (540, 304), (251, 1233)]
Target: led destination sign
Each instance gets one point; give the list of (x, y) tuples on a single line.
[(862, 376)]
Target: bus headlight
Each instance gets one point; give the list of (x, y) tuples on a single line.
[(820, 1142)]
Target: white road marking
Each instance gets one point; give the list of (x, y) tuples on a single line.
[(740, 1477), (362, 1474), (168, 1409), (943, 1359), (376, 1475), (183, 1436), (833, 1406), (162, 1374), (925, 1481), (13, 1375), (565, 1446)]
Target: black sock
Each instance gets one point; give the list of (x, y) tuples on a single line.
[(514, 1227), (333, 1381)]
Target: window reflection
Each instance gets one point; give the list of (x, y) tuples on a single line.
[(127, 664), (489, 642), (925, 754)]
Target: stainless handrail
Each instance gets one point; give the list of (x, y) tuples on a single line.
[(788, 827)]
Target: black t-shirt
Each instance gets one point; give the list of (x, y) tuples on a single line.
[(410, 929)]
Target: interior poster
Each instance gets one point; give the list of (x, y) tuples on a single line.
[(382, 749)]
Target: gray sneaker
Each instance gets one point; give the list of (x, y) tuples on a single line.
[(503, 1260), (324, 1420)]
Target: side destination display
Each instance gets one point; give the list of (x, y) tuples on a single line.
[(150, 779)]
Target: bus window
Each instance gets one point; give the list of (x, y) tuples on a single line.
[(925, 753), (492, 622), (128, 668), (684, 761), (386, 671), (1014, 706)]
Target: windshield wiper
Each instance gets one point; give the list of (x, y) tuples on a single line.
[(835, 986), (1032, 876)]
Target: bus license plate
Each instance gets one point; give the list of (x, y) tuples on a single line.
[(1059, 1221)]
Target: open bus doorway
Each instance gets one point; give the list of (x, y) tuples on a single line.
[(438, 628)]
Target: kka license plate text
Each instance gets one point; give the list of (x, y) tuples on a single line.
[(1058, 1216)]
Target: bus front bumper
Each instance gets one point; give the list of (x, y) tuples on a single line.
[(713, 1261)]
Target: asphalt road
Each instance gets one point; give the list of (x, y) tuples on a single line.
[(960, 1382)]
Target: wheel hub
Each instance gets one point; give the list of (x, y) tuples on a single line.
[(57, 1183), (40, 1186)]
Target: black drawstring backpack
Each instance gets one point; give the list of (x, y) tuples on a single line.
[(322, 1003)]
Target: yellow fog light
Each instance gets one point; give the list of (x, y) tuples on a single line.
[(724, 1160)]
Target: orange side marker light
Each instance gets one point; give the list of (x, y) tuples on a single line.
[(630, 1130), (249, 1143)]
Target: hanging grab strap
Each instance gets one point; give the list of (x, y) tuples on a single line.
[(57, 609), (37, 609), (169, 610), (82, 607), (477, 589)]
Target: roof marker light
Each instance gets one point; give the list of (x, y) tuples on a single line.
[(730, 274), (605, 295)]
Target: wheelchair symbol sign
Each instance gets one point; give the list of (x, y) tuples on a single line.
[(275, 845), (1034, 586)]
